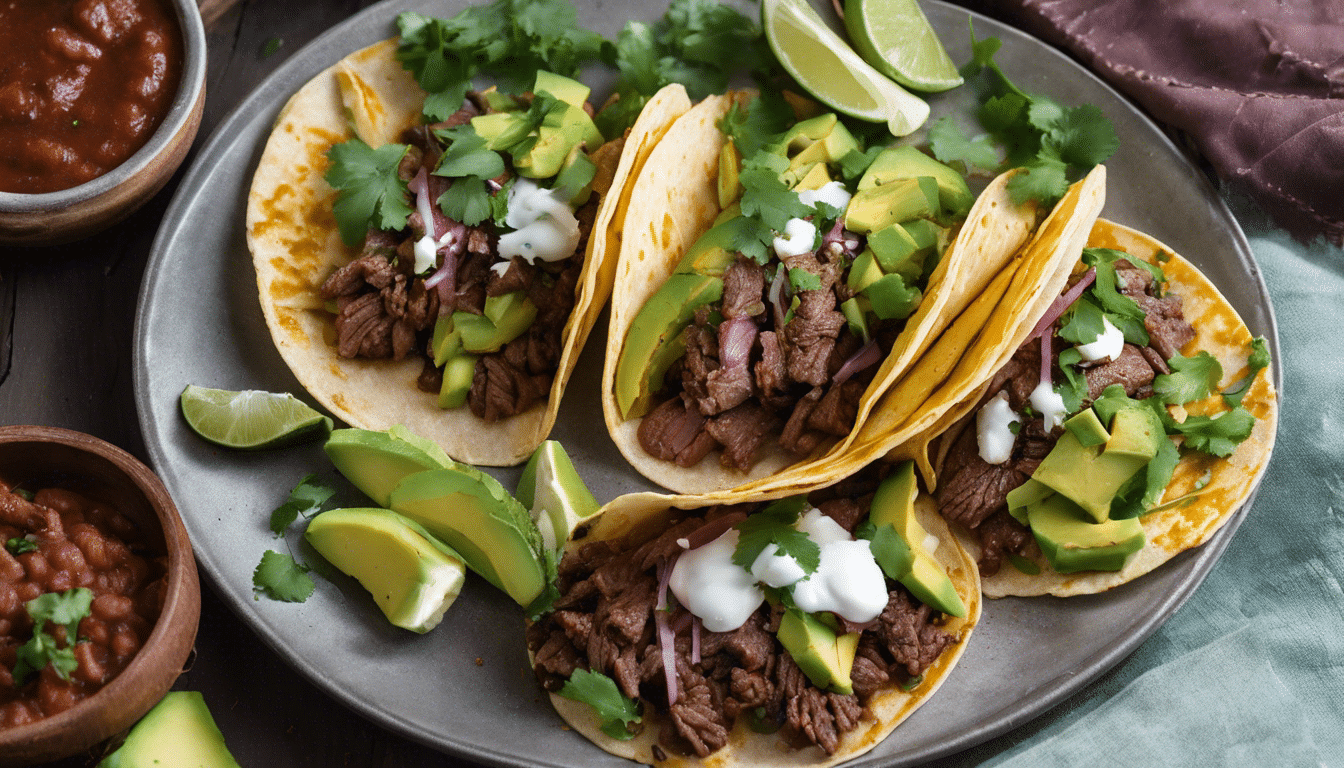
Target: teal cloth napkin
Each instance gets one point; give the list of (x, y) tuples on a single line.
[(1250, 671)]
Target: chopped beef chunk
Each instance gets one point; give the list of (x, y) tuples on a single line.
[(811, 335), (673, 432), (743, 289), (499, 390), (1167, 327), (848, 512), (910, 638), (1130, 370), (741, 432), (1001, 535), (771, 377), (838, 408), (795, 437), (698, 713), (516, 277)]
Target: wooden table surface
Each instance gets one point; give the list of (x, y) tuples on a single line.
[(66, 331)]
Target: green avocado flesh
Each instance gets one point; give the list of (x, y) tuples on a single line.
[(954, 196), (1071, 542), (912, 564), (178, 731), (825, 657), (654, 341), (472, 513), (376, 462)]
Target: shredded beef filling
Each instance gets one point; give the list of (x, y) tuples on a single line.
[(383, 310), (604, 621), (973, 493)]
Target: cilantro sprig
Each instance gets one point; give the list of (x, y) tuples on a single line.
[(369, 191), (1052, 142), (279, 576), (775, 525), (53, 609), (617, 712)]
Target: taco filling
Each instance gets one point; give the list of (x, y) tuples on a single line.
[(776, 320), (1063, 459), (796, 618), (477, 275)]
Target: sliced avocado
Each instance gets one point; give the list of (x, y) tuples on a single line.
[(864, 271), (458, 373), (446, 341), (561, 130), (1023, 496), (905, 162), (805, 133), (472, 513), (1087, 428), (901, 200), (179, 730), (1072, 543), (506, 318), (730, 170), (412, 576), (376, 462), (897, 252), (431, 448), (892, 298), (856, 317), (1086, 475), (713, 252), (818, 651), (574, 182), (909, 561), (563, 88), (811, 155), (1135, 432), (655, 337)]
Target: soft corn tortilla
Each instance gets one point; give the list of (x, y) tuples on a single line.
[(295, 245), (636, 518), (1217, 487), (675, 200)]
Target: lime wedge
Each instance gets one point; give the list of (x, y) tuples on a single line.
[(251, 419), (823, 63), (553, 490), (412, 576), (896, 38)]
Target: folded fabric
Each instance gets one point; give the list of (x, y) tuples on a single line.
[(1257, 86)]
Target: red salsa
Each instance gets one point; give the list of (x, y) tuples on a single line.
[(83, 85), (62, 546)]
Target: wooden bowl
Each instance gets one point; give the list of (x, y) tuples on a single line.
[(52, 457), (51, 218)]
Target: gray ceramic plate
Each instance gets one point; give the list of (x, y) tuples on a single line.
[(465, 688)]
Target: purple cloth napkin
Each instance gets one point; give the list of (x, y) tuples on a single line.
[(1257, 86)]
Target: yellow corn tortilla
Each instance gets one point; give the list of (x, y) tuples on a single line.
[(675, 200), (636, 518), (1210, 490), (295, 245)]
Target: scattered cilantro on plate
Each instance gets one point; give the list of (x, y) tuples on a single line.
[(280, 577)]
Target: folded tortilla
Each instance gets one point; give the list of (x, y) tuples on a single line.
[(630, 520), (675, 200), (295, 245), (1206, 490)]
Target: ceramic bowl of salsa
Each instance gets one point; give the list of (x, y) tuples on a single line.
[(87, 529), (100, 102)]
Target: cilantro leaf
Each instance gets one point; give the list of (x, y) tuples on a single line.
[(760, 122), (304, 499), (766, 197), (62, 609), (280, 577), (774, 525), (1257, 361), (1191, 378), (598, 691), (1141, 492), (802, 280), (369, 192), (18, 545), (1082, 322), (1217, 435), (41, 650), (950, 145)]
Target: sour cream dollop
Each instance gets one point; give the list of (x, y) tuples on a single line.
[(1110, 342), (832, 193), (994, 431), (710, 585), (800, 236), (544, 225), (1050, 404)]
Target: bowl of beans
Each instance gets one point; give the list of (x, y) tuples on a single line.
[(99, 595), (99, 104)]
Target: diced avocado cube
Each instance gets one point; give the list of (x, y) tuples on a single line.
[(446, 341), (816, 177), (901, 200), (864, 271), (855, 317), (501, 129), (906, 162), (817, 650), (1071, 542), (1087, 428), (896, 252), (563, 88), (574, 182), (1135, 432), (805, 133), (1086, 475), (506, 318), (458, 373), (892, 298)]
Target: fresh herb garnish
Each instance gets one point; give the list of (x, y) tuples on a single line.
[(1257, 361), (1191, 378), (1218, 435), (802, 280), (370, 194), (775, 525), (19, 544), (280, 577), (1053, 143), (305, 499), (617, 712), (58, 609)]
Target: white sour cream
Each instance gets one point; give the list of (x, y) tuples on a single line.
[(1050, 404), (800, 236), (832, 193), (544, 225), (1108, 345), (994, 432), (708, 583), (427, 249)]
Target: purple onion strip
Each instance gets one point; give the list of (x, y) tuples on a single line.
[(867, 355), (1062, 303)]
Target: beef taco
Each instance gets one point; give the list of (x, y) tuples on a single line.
[(796, 631), (769, 288), (443, 276), (1145, 430)]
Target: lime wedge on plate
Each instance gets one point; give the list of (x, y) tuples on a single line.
[(553, 490), (412, 576), (251, 418), (823, 63), (896, 38)]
